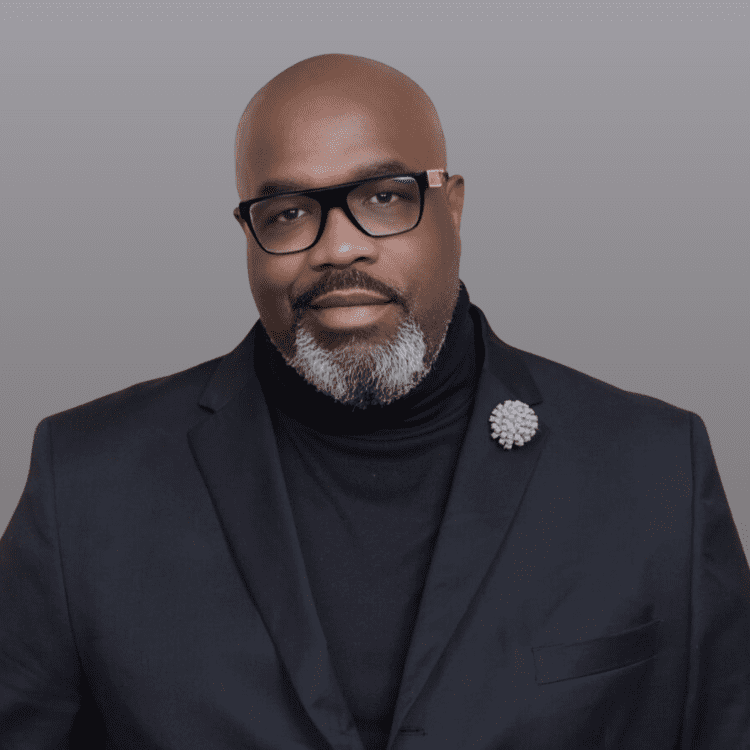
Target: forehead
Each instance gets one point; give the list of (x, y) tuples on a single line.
[(313, 141)]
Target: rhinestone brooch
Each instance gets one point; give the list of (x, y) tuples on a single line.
[(513, 422)]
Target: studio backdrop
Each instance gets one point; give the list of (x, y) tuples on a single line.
[(604, 147)]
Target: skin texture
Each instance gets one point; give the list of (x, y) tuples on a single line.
[(315, 124)]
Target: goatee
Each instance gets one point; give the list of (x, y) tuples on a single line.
[(361, 374)]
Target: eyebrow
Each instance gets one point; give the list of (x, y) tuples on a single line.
[(270, 187)]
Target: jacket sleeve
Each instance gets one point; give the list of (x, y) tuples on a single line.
[(717, 705), (40, 672)]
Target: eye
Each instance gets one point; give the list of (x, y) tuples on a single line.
[(378, 195), (287, 216)]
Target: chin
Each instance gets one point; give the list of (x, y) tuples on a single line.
[(362, 371)]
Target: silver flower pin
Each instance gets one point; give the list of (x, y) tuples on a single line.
[(513, 422)]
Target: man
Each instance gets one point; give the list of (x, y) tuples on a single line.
[(373, 524)]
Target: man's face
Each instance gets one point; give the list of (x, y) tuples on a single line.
[(323, 141)]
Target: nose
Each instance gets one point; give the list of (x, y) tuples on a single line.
[(341, 241)]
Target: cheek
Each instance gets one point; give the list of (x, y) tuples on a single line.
[(434, 268), (432, 261), (271, 284)]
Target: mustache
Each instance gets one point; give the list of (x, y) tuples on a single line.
[(342, 281)]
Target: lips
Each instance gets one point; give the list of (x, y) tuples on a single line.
[(349, 299)]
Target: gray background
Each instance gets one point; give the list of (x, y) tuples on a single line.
[(604, 147)]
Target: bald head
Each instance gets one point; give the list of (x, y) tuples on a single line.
[(337, 93)]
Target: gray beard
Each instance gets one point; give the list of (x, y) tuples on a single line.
[(361, 374)]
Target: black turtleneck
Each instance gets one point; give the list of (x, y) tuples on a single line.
[(367, 489)]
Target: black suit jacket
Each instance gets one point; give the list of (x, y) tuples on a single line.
[(587, 590)]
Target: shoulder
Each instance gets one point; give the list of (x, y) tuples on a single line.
[(166, 404), (595, 411), (558, 380), (576, 402)]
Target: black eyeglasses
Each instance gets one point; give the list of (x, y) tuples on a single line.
[(295, 221)]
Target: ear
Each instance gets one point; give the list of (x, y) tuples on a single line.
[(454, 192), (241, 222)]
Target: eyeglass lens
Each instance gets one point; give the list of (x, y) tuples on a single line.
[(286, 224)]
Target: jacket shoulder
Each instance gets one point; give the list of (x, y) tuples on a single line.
[(169, 402), (586, 399)]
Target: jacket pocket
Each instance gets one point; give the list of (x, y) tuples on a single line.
[(566, 661)]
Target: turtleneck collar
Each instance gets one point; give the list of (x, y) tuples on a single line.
[(443, 394)]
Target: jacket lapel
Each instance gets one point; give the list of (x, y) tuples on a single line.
[(487, 488), (235, 449)]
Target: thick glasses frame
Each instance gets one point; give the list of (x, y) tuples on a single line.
[(335, 197)]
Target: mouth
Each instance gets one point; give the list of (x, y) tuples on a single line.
[(356, 309), (355, 298)]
